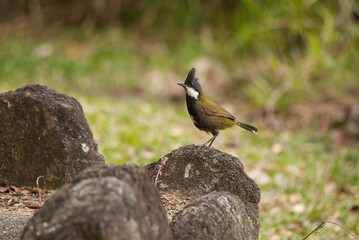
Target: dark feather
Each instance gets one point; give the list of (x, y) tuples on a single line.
[(190, 76), (247, 127)]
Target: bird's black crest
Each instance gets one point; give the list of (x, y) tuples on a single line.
[(190, 76)]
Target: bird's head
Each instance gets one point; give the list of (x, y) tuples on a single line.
[(191, 85)]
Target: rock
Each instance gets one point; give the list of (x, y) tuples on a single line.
[(12, 223), (217, 215), (109, 202), (43, 133), (191, 172)]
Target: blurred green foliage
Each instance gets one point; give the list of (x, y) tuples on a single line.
[(301, 48), (121, 65), (272, 53)]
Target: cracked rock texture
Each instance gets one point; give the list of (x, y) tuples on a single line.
[(43, 133), (109, 202)]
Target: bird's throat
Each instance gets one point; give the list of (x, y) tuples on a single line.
[(192, 93)]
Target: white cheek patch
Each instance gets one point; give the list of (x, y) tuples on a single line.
[(191, 92)]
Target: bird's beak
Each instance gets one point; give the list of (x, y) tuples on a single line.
[(181, 84)]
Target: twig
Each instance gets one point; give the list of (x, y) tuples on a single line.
[(37, 183), (346, 230), (162, 163), (38, 187), (322, 225)]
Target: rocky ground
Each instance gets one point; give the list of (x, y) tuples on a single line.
[(17, 206)]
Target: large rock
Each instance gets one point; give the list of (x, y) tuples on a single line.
[(192, 172), (43, 133), (217, 215), (110, 202)]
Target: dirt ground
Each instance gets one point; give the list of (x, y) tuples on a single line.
[(17, 206)]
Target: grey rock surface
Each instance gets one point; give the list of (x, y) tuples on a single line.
[(109, 202), (191, 172), (43, 133), (217, 215)]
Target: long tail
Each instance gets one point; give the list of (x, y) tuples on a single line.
[(247, 127)]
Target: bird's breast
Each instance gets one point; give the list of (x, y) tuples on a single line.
[(193, 110), (199, 118)]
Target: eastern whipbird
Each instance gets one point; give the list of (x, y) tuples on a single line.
[(205, 114)]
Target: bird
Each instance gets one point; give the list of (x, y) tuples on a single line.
[(205, 114)]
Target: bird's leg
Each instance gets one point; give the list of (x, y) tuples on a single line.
[(213, 138), (205, 144), (210, 141)]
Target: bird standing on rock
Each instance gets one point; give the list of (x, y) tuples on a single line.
[(205, 114)]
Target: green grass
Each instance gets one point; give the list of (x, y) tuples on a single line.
[(302, 181), (127, 87)]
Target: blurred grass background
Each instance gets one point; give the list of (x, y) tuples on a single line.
[(288, 67)]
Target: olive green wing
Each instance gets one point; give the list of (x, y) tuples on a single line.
[(211, 109)]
